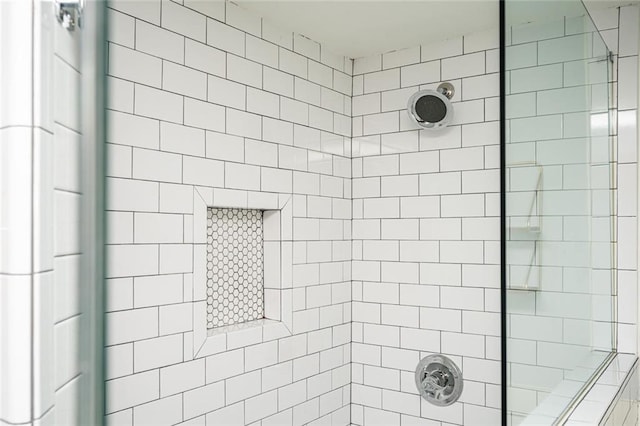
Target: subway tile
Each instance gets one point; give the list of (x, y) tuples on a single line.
[(244, 71), (131, 390), (261, 406), (332, 100), (182, 139), (183, 80), (426, 72), (521, 56), (440, 183), (382, 80), (277, 82), (181, 377), (463, 66), (536, 78), (261, 153), (277, 131), (134, 66), (393, 100), (203, 399), (165, 411), (120, 227), (231, 414), (153, 103), (121, 28), (132, 195), (461, 159), (127, 129), (483, 86), (262, 51), (156, 165), (416, 339), (176, 198), (147, 10), (203, 171), (176, 258), (157, 290), (159, 42), (462, 344), (291, 395), (294, 111), (241, 123), (306, 91), (387, 122), (564, 49), (120, 95), (392, 143), (322, 74), (204, 58), (225, 92), (225, 38), (119, 361), (242, 387), (367, 64), (385, 378), (419, 207), (132, 260), (158, 352), (184, 21), (293, 63)]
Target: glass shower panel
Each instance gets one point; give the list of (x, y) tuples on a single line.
[(559, 230)]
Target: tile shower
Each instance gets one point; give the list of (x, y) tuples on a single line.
[(395, 242), (284, 244)]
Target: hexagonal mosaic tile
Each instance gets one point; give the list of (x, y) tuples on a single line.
[(235, 261)]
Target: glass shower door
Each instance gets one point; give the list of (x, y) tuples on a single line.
[(559, 198)]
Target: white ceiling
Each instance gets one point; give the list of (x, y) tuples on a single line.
[(357, 28), (362, 28)]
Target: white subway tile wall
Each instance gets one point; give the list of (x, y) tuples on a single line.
[(208, 95), (425, 234), (395, 229)]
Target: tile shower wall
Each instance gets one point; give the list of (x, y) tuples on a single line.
[(426, 232), (39, 257), (203, 94)]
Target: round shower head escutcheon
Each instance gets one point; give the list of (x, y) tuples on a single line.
[(432, 109)]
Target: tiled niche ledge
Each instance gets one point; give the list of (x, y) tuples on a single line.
[(278, 261)]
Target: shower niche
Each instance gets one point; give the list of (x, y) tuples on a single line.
[(235, 266), (242, 266)]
